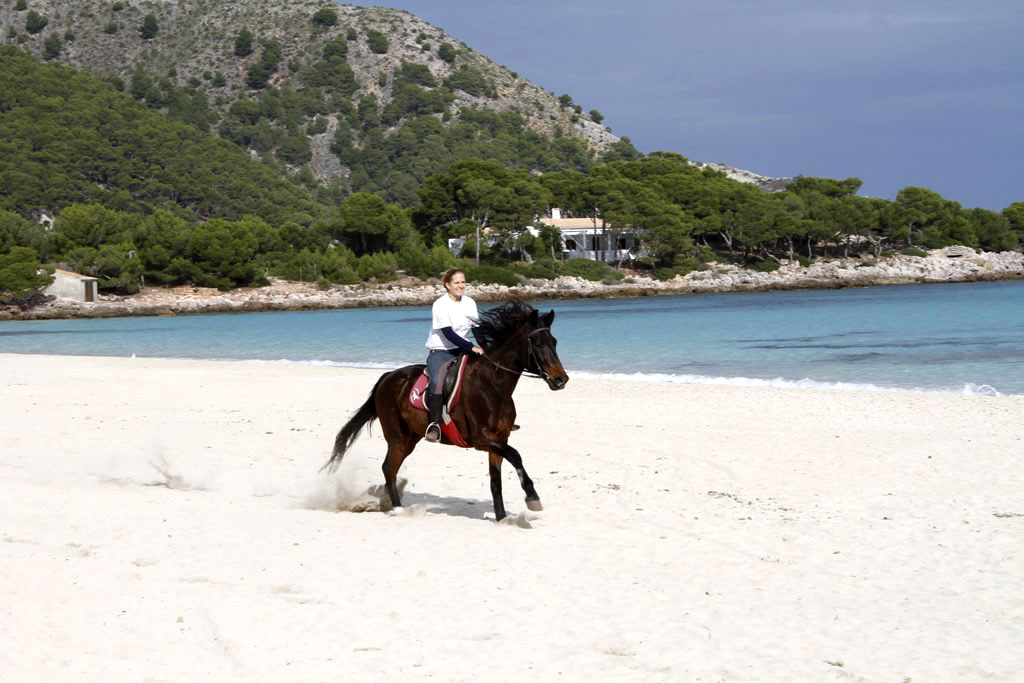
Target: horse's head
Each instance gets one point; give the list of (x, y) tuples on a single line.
[(541, 356)]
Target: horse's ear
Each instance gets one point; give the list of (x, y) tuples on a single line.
[(548, 318), (533, 317)]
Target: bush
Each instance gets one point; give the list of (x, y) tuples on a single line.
[(51, 46), (643, 264), (535, 270), (243, 43), (663, 274), (149, 28), (35, 22), (111, 27), (377, 42), (491, 275), (803, 260), (380, 266), (417, 261), (687, 264), (913, 251), (595, 271), (19, 272), (446, 52), (469, 80), (20, 6), (766, 266), (325, 17)]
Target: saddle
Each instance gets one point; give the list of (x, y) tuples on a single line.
[(452, 388)]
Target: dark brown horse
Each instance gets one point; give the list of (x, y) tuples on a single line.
[(517, 340)]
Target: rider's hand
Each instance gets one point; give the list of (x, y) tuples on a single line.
[(477, 350)]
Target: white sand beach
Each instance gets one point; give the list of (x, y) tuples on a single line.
[(164, 520)]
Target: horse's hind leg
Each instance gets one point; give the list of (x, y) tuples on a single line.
[(398, 450), (516, 460), (494, 465)]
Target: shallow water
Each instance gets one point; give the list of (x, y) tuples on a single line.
[(954, 338)]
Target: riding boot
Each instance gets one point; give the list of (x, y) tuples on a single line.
[(435, 404)]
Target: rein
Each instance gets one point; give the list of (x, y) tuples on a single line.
[(529, 373)]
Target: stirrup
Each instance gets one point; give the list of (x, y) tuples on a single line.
[(433, 433)]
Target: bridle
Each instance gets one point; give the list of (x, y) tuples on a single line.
[(531, 355)]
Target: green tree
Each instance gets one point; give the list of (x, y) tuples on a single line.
[(20, 272), (369, 224), (324, 17), (377, 42), (992, 229), (623, 150), (1014, 215), (596, 116), (446, 52), (932, 220), (470, 80), (224, 252), (489, 196), (163, 248), (116, 266), (260, 72), (35, 22), (243, 43), (149, 28), (91, 225), (51, 46)]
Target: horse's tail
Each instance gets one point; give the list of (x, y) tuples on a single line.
[(365, 416)]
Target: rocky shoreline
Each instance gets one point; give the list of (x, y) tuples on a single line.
[(954, 264)]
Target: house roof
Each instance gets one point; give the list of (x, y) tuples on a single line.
[(68, 273), (567, 222)]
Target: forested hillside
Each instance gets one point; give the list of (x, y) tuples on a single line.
[(357, 99)]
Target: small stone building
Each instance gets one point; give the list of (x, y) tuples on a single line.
[(68, 285)]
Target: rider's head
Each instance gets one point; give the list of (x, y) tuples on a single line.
[(455, 282)]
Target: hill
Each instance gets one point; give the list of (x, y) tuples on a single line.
[(363, 98)]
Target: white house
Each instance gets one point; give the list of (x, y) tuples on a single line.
[(68, 285), (582, 238)]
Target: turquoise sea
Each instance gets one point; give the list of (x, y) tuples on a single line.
[(962, 338)]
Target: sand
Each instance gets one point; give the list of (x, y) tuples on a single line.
[(165, 520)]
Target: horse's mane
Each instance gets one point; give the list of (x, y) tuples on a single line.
[(499, 323)]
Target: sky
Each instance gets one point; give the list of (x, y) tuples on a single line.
[(904, 92)]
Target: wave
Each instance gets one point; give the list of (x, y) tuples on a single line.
[(968, 389)]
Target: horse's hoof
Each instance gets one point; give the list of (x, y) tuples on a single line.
[(534, 505)]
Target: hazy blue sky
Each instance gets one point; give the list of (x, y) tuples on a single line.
[(921, 92)]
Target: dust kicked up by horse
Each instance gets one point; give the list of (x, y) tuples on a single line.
[(517, 340)]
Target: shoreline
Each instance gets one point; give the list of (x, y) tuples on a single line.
[(936, 268), (969, 390)]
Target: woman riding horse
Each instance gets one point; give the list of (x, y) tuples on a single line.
[(452, 318), (518, 341)]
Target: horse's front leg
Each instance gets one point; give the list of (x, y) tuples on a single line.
[(494, 465), (516, 460)]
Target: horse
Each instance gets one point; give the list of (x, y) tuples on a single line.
[(516, 340)]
